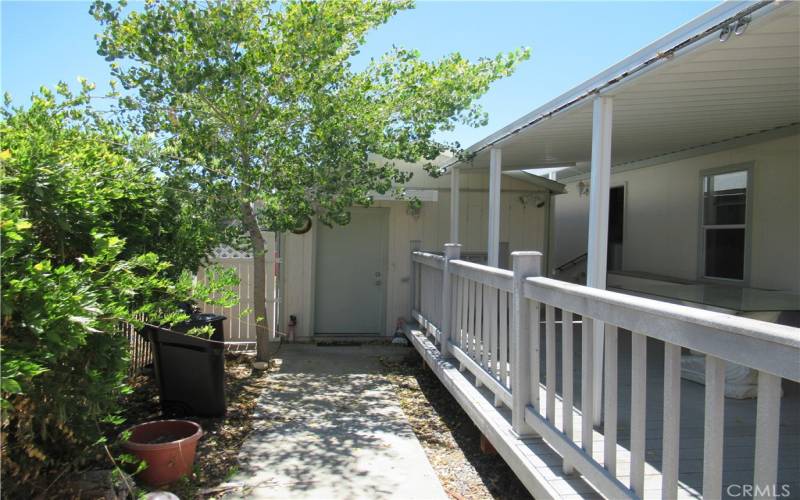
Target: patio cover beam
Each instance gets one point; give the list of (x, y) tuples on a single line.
[(495, 171), (597, 251)]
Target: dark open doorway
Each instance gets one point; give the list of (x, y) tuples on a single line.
[(616, 216)]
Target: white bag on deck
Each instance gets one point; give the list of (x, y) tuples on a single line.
[(740, 382)]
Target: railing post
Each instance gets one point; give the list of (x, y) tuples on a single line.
[(452, 251), (524, 265), (414, 246)]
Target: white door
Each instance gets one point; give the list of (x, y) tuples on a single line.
[(350, 289)]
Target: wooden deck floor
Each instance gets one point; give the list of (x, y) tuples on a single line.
[(540, 467)]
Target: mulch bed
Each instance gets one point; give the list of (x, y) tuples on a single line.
[(448, 436)]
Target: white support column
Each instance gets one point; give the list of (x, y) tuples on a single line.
[(454, 208), (451, 251), (598, 228), (493, 248)]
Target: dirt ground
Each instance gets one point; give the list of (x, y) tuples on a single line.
[(217, 451), (450, 439)]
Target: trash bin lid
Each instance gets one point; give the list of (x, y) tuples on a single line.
[(206, 317)]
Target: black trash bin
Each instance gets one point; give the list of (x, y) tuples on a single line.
[(190, 370)]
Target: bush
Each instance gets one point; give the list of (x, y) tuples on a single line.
[(92, 235)]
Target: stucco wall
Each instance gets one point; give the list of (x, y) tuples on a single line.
[(662, 215), (522, 225)]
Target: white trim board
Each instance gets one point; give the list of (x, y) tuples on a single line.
[(705, 149)]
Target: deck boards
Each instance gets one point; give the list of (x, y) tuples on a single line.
[(535, 461)]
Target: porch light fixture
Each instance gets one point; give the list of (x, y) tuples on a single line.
[(725, 33), (741, 26)]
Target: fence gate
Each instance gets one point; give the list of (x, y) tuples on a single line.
[(240, 325)]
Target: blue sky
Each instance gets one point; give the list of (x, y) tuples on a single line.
[(44, 42)]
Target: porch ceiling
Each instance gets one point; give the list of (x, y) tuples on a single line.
[(708, 93)]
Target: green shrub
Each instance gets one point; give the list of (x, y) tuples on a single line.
[(92, 235)]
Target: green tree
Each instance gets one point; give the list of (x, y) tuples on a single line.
[(90, 234), (263, 94)]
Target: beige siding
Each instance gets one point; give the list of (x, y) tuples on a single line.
[(662, 215), (523, 227)]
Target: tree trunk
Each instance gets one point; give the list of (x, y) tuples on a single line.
[(259, 281)]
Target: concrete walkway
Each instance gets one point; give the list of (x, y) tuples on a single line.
[(330, 427)]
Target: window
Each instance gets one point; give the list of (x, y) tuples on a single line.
[(724, 225)]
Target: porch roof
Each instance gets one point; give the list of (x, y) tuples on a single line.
[(685, 91)]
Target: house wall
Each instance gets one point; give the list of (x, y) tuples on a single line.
[(662, 208), (522, 226)]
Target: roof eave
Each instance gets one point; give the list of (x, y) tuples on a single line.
[(663, 49)]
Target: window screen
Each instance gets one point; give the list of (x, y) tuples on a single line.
[(724, 224)]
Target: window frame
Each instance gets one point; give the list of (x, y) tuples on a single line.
[(747, 225)]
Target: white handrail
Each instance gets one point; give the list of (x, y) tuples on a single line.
[(486, 275), (494, 320), (428, 259), (756, 344)]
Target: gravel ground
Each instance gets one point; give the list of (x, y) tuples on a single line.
[(450, 439)]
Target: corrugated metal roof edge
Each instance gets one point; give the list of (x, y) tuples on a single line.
[(647, 58)]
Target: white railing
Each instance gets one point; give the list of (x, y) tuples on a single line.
[(491, 320), (427, 274)]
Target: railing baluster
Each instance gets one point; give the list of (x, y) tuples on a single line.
[(768, 415), (479, 326), (471, 318), (494, 317), (487, 333), (672, 421), (713, 427), (566, 379), (587, 368), (610, 401), (423, 286), (459, 284), (482, 327), (535, 329), (638, 410), (475, 322), (550, 361), (464, 294), (504, 332)]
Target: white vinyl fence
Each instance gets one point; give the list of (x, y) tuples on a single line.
[(240, 324), (490, 321)]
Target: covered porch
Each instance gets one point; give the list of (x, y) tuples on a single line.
[(528, 355)]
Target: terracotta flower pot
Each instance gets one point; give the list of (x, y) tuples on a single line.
[(168, 447)]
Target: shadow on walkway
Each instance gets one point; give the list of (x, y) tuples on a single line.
[(329, 426)]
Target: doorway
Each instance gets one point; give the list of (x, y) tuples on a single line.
[(350, 289), (616, 227)]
